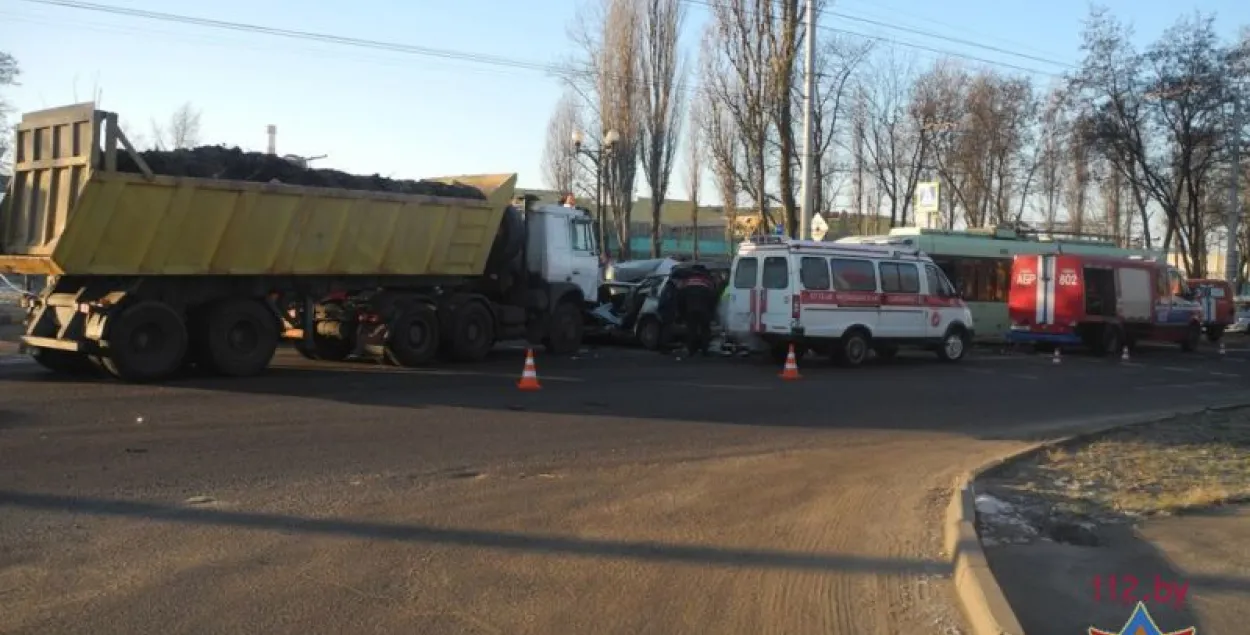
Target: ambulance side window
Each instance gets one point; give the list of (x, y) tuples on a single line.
[(744, 275), (899, 277), (776, 272), (937, 286), (853, 275), (814, 273)]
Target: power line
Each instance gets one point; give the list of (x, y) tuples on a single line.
[(922, 47), (425, 51)]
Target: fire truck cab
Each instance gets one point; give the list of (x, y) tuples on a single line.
[(1103, 303), (1216, 298)]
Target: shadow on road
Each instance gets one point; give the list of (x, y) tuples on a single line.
[(509, 541)]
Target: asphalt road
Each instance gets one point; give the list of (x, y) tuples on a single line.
[(632, 494)]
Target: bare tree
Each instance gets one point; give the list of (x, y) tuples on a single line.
[(836, 65), (182, 130), (618, 85), (661, 68), (738, 80), (9, 72), (723, 148), (607, 77), (559, 155), (1051, 166), (895, 146), (694, 167), (784, 40)]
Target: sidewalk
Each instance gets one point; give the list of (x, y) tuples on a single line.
[(1134, 504)]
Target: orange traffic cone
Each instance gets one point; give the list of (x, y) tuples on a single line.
[(529, 375), (791, 370)]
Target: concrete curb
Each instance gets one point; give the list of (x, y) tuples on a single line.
[(980, 597)]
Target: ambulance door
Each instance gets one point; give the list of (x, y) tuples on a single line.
[(942, 301), (741, 316), (776, 289), (902, 315)]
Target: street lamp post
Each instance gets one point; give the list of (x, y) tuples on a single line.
[(596, 156)]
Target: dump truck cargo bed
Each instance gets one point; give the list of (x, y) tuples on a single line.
[(68, 212)]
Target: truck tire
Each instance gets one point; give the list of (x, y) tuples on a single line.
[(1215, 332), (414, 337), (472, 333), (1192, 337), (146, 342), (240, 337), (566, 329), (65, 362), (1109, 342)]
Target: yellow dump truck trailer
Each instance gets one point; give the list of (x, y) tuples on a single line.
[(151, 273)]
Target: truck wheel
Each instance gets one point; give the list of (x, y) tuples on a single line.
[(564, 337), (472, 333), (1215, 332), (240, 337), (1192, 337), (65, 362), (413, 338), (146, 342)]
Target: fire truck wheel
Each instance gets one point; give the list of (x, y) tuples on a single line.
[(853, 349), (1192, 337), (1111, 343), (954, 345), (1215, 332)]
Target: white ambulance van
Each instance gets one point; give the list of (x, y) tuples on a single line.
[(843, 300)]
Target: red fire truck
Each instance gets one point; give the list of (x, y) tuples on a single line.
[(1103, 303)]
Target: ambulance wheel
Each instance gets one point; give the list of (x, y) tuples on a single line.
[(1215, 332), (852, 349), (954, 345), (1192, 337)]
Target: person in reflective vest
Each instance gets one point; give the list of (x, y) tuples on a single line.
[(689, 297)]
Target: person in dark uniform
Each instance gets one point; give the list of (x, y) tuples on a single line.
[(690, 298)]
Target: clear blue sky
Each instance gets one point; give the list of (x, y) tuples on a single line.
[(413, 116)]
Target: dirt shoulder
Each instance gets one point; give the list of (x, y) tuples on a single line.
[(1152, 505)]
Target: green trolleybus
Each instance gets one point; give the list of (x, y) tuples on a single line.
[(978, 262)]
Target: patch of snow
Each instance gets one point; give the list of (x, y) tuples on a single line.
[(991, 506)]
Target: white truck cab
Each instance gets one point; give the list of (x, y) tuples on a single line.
[(561, 247), (843, 300)]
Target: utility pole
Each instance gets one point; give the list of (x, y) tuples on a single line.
[(858, 177), (807, 209), (1231, 265)]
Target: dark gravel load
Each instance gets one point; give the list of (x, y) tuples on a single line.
[(220, 162)]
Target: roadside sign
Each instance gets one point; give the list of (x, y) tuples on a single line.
[(819, 227), (927, 197)]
